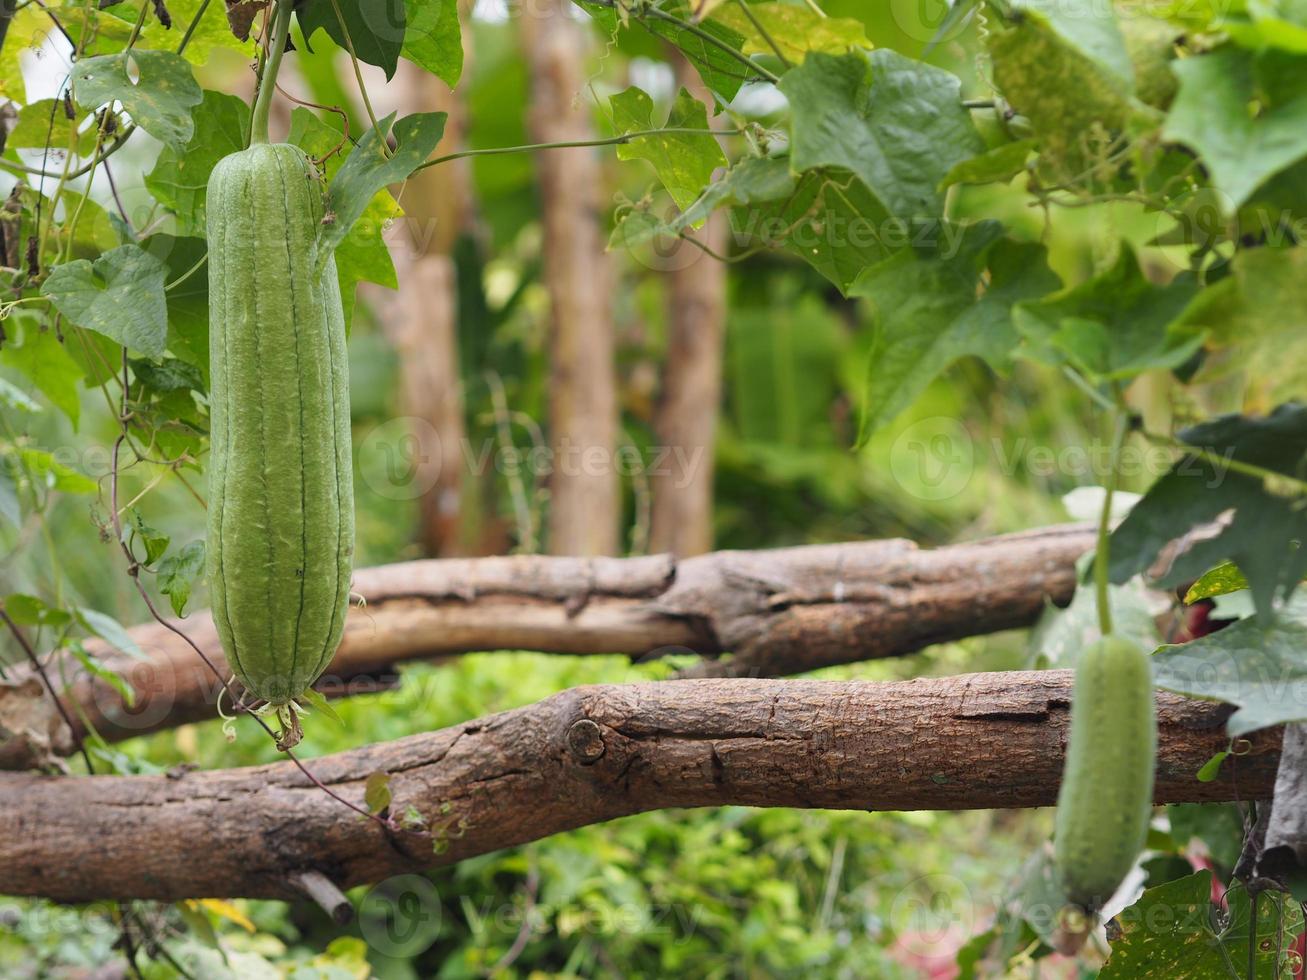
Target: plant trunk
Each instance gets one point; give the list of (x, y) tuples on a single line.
[(424, 329), (584, 504), (686, 419)]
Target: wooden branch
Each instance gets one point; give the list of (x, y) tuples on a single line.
[(783, 611), (583, 756)]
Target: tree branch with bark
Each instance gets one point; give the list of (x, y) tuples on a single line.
[(584, 756), (776, 612)]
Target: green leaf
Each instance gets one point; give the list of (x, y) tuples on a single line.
[(1268, 24), (98, 357), (723, 74), (1218, 825), (1174, 931), (188, 300), (1089, 29), (1211, 769), (181, 174), (1064, 66), (1062, 634), (1221, 580), (928, 313), (998, 165), (362, 256), (48, 472), (110, 630), (832, 222), (1260, 527), (178, 574), (1150, 42), (376, 793), (898, 124), (366, 170), (1114, 326), (155, 541), (433, 38), (318, 702), (27, 32), (159, 101), (826, 217), (29, 610), (45, 361), (1244, 116), (683, 162), (45, 123), (796, 30), (754, 180), (110, 677), (119, 295), (169, 374), (1260, 311), (212, 32), (376, 28)]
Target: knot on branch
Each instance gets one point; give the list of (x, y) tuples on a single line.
[(585, 740)]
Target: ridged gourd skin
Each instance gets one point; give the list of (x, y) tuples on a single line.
[(281, 498), (1106, 797)]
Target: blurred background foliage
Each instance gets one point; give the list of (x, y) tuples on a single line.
[(733, 893)]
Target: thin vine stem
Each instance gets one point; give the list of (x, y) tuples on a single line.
[(570, 144), (358, 76), (764, 33), (187, 274), (139, 26), (694, 29), (1227, 462), (1101, 580), (279, 34), (37, 666), (191, 27)]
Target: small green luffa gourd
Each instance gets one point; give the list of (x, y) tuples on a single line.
[(1106, 797)]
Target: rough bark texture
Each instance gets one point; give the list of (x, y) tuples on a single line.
[(779, 612), (583, 756), (686, 419), (584, 505)]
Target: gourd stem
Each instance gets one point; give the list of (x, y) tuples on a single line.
[(1105, 524), (268, 81)]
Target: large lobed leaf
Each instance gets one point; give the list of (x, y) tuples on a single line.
[(897, 124), (1260, 527)]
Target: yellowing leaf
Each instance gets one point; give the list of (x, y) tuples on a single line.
[(225, 910), (794, 30)]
